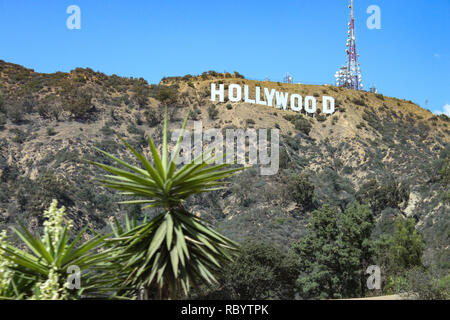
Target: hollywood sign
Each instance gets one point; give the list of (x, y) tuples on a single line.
[(272, 97)]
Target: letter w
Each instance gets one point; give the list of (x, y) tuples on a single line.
[(282, 99)]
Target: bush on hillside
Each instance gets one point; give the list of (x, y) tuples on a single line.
[(390, 194), (79, 105), (300, 190), (212, 112)]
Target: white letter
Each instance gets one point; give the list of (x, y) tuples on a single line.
[(282, 99), (374, 21), (294, 106), (73, 21), (274, 159), (198, 144), (215, 92), (215, 137), (238, 96), (269, 96), (258, 96), (374, 281), (325, 108), (185, 146), (241, 136), (246, 99), (313, 108), (74, 279)]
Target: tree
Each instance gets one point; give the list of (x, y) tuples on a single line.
[(79, 105), (335, 253), (166, 95), (141, 93), (357, 225), (405, 247), (399, 253), (35, 196), (301, 190), (303, 125), (16, 112), (261, 271), (439, 170), (317, 255), (391, 194), (175, 249)]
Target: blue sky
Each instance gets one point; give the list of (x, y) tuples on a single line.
[(409, 57)]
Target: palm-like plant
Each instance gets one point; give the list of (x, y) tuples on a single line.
[(41, 272), (175, 249)]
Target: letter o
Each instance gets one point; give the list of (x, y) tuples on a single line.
[(238, 96), (310, 107), (296, 107)]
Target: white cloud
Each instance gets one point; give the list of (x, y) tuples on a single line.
[(437, 55), (445, 110)]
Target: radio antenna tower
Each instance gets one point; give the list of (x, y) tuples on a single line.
[(349, 76), (288, 78)]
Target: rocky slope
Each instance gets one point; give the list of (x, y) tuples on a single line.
[(372, 147)]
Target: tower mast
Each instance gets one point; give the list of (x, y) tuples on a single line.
[(349, 76)]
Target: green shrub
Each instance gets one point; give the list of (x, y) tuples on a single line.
[(212, 112), (347, 170), (133, 129), (166, 95), (303, 125), (238, 75), (20, 136), (15, 113), (195, 113), (141, 93), (51, 131), (429, 284), (334, 236), (229, 106), (300, 190), (139, 119), (321, 117), (79, 105), (153, 118), (35, 196), (372, 119), (359, 101), (107, 131), (2, 121), (2, 104), (389, 194), (261, 271), (334, 120)]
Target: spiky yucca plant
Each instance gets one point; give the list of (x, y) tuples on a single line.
[(175, 249), (41, 270)]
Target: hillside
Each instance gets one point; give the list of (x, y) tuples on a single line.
[(384, 150)]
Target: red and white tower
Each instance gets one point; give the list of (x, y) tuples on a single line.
[(349, 76)]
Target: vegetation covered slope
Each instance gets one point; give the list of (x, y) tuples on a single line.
[(386, 152)]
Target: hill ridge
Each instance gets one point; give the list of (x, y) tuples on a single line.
[(49, 124)]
